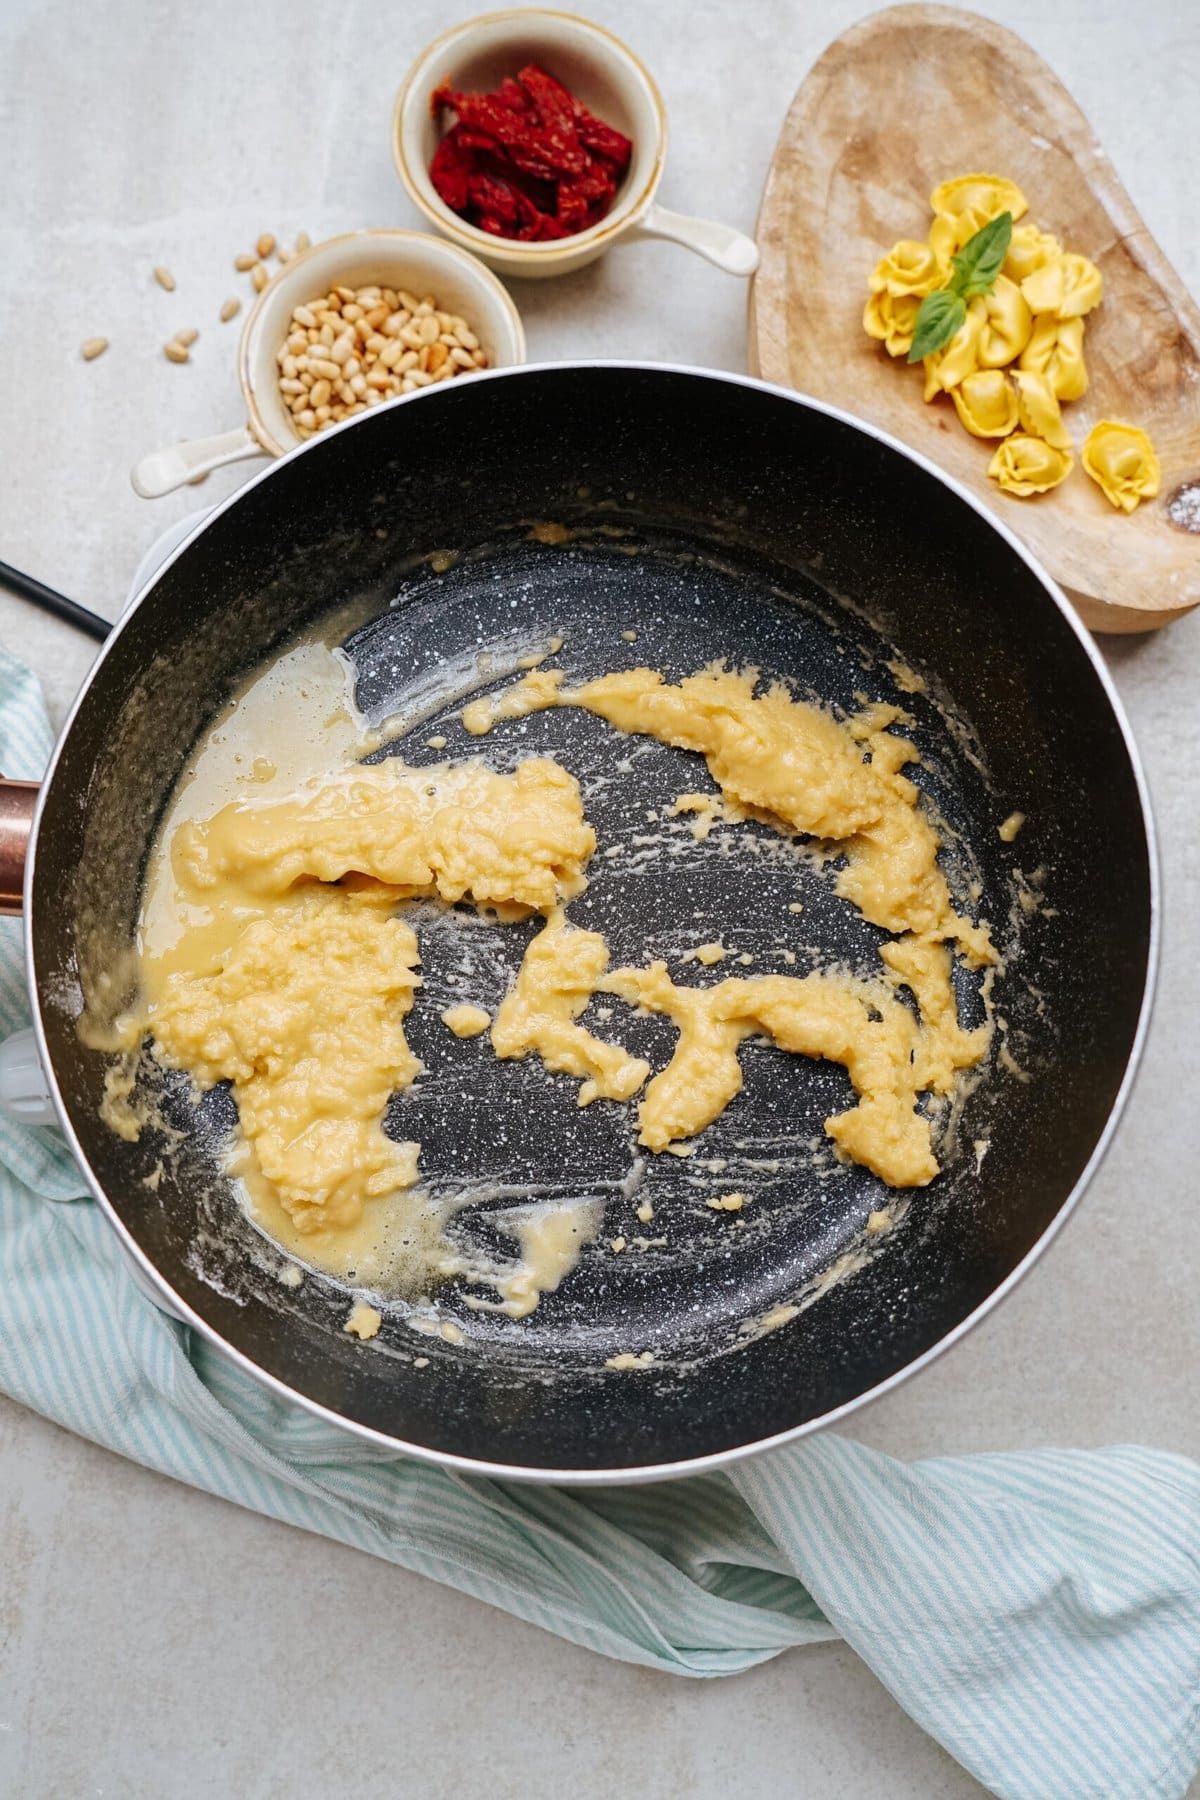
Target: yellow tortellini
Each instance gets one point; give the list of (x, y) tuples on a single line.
[(1121, 460), (970, 201), (1055, 349), (892, 318), (1007, 327), (946, 368), (1040, 413), (1029, 250), (986, 403), (910, 267), (1025, 465), (1066, 285), (1029, 324)]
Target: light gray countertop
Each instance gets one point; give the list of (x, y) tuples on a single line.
[(155, 1642)]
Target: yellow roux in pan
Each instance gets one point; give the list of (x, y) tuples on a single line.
[(275, 951)]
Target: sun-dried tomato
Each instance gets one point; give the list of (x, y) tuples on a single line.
[(528, 161)]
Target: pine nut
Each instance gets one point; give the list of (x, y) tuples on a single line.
[(230, 309), (355, 348), (265, 244), (91, 348), (260, 275), (176, 352), (303, 242), (165, 279), (244, 263), (187, 337)]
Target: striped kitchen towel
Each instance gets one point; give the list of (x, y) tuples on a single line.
[(1038, 1613)]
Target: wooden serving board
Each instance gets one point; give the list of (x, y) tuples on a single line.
[(907, 99)]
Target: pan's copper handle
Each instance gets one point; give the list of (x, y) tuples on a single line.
[(17, 800)]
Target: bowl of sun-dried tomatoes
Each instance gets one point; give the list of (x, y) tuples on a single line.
[(536, 140)]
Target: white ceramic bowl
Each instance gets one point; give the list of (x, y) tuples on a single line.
[(396, 259), (611, 81)]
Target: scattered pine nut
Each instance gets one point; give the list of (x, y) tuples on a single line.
[(187, 337), (244, 262), (259, 276), (303, 242), (230, 309), (91, 348), (176, 352), (265, 244), (165, 279)]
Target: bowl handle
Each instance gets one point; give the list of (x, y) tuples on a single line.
[(730, 250), (165, 470), (24, 1090)]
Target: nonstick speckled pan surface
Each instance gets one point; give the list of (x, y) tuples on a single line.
[(717, 520)]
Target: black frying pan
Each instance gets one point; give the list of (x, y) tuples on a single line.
[(717, 518)]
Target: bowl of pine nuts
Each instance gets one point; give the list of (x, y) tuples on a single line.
[(348, 325)]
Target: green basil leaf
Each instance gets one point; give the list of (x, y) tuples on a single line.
[(982, 257), (941, 314)]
